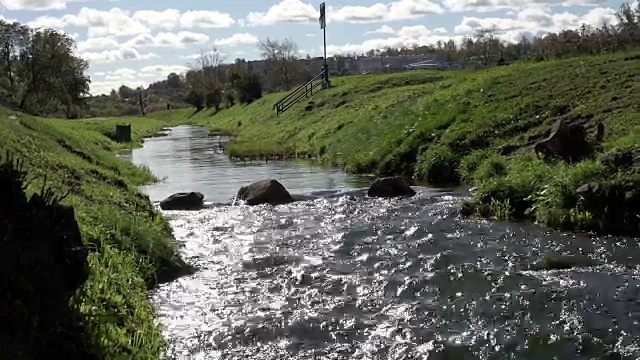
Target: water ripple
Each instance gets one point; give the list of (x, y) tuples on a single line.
[(347, 277)]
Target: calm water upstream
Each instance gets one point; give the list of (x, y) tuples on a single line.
[(343, 276)]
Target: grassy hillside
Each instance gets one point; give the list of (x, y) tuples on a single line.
[(473, 126), (131, 247)]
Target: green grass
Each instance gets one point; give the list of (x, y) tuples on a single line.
[(441, 126), (133, 247)]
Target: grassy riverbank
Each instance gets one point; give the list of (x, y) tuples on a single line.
[(131, 246), (469, 126)]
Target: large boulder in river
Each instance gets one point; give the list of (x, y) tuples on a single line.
[(565, 141), (264, 192), (390, 187), (183, 201)]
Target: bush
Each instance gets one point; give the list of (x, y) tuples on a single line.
[(248, 87), (529, 188), (439, 164)]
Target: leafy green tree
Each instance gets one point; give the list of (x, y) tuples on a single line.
[(40, 72)]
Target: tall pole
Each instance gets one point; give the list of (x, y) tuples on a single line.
[(323, 26), (326, 67)]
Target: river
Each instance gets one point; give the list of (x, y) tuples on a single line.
[(343, 276)]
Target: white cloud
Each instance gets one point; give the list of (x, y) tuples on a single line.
[(393, 11), (493, 5), (287, 11), (440, 30), (167, 39), (158, 72), (115, 22), (46, 21), (206, 19), (406, 36), (167, 19), (122, 54), (98, 43), (392, 42), (384, 29), (122, 74), (297, 11), (535, 22), (216, 52), (36, 4), (238, 39), (118, 22), (530, 22)]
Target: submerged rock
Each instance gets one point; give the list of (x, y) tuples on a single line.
[(183, 201), (264, 192), (390, 187)]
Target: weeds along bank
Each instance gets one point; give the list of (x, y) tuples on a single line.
[(471, 126), (129, 245)]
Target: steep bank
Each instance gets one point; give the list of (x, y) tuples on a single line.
[(130, 246), (471, 126)]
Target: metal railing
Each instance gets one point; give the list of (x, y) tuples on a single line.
[(303, 91)]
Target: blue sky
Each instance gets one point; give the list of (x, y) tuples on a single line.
[(135, 43)]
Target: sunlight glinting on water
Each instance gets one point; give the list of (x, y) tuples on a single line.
[(343, 276)]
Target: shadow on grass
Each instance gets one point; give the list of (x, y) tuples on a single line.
[(43, 262)]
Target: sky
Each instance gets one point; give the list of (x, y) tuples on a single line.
[(137, 43)]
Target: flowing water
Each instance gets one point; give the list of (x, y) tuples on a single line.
[(343, 276)]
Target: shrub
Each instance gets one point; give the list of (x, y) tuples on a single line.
[(439, 164), (248, 87)]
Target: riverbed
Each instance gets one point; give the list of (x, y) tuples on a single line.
[(343, 276)]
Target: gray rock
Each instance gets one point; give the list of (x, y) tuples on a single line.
[(390, 187), (565, 141), (264, 192), (183, 201)]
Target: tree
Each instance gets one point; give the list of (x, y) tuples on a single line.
[(49, 77), (13, 38), (205, 74), (126, 93), (485, 38), (174, 81), (248, 87), (141, 99), (282, 62), (195, 98), (213, 98)]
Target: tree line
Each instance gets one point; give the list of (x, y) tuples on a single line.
[(486, 48), (282, 68), (39, 72)]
